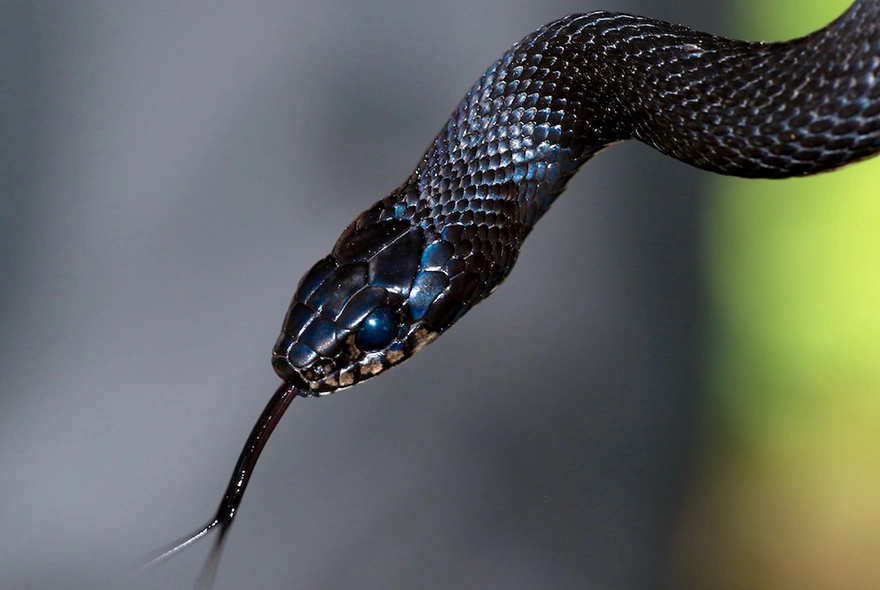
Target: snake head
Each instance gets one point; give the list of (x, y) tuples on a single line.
[(381, 295)]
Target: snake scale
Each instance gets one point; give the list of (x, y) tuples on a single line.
[(416, 261)]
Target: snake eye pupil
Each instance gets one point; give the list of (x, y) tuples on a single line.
[(378, 329)]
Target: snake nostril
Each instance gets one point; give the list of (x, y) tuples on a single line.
[(378, 329)]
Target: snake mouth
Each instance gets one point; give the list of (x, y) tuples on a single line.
[(324, 376)]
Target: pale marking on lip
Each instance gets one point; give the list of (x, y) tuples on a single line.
[(372, 366), (394, 356), (421, 338), (346, 379)]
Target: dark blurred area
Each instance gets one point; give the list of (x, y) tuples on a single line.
[(169, 170)]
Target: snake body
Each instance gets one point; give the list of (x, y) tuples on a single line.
[(415, 262)]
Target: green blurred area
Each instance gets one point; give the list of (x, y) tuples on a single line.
[(790, 492)]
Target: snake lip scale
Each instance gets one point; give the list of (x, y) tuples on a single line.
[(416, 261)]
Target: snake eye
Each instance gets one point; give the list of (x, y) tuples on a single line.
[(378, 329)]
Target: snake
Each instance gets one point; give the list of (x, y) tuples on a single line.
[(410, 266)]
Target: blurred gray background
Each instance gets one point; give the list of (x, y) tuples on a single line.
[(169, 170)]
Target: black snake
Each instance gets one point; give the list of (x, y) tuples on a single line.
[(415, 262)]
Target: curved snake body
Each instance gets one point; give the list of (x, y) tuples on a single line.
[(419, 259), (415, 262)]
